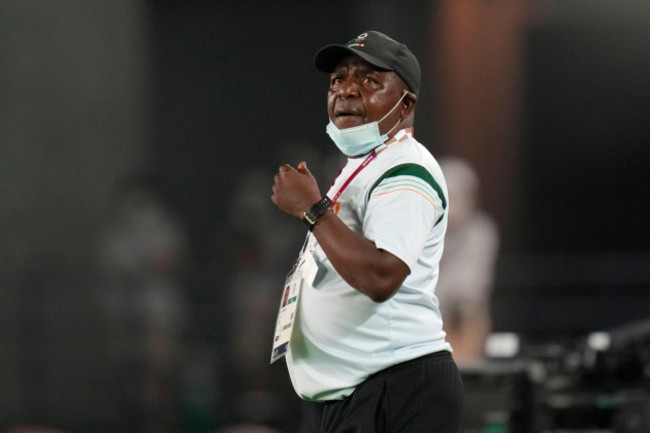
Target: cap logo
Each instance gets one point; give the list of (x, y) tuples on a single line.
[(361, 37), (358, 41)]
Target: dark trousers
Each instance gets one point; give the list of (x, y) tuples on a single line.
[(418, 396)]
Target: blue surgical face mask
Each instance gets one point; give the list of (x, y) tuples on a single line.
[(361, 139)]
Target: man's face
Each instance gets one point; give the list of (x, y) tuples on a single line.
[(359, 93)]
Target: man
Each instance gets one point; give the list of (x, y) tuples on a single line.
[(367, 345)]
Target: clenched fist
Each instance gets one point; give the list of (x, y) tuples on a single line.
[(295, 190)]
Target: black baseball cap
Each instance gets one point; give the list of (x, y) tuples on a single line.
[(377, 49)]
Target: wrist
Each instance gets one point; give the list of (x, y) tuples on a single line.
[(320, 208)]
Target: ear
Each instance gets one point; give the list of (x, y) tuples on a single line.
[(408, 104)]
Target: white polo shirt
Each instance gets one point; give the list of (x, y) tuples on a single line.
[(340, 337)]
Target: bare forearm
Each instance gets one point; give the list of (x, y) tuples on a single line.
[(372, 271)]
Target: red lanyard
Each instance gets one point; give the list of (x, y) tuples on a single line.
[(363, 165)]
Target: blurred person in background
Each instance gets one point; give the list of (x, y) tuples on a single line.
[(468, 264), (142, 252)]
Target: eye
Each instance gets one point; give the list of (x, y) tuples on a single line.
[(370, 80), (336, 81)]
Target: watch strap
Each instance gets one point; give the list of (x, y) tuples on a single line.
[(319, 209)]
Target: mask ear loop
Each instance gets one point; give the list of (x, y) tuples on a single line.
[(390, 111)]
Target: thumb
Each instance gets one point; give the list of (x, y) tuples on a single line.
[(302, 168)]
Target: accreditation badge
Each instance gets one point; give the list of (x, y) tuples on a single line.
[(302, 270)]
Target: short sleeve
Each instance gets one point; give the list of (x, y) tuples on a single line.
[(404, 205)]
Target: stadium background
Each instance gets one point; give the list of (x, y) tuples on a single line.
[(201, 100)]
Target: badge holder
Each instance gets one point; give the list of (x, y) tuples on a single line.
[(304, 269), (287, 311)]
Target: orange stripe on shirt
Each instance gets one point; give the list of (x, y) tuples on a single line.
[(407, 189)]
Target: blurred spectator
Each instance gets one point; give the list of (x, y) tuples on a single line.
[(142, 251), (467, 266)]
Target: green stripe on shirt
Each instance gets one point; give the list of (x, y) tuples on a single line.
[(416, 171)]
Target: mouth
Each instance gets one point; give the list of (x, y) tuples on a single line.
[(347, 118)]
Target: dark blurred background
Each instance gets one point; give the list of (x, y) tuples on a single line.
[(140, 256)]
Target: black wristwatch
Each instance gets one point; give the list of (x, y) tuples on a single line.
[(316, 211)]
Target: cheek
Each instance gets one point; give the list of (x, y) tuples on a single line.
[(375, 106), (381, 98), (330, 104), (330, 99)]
